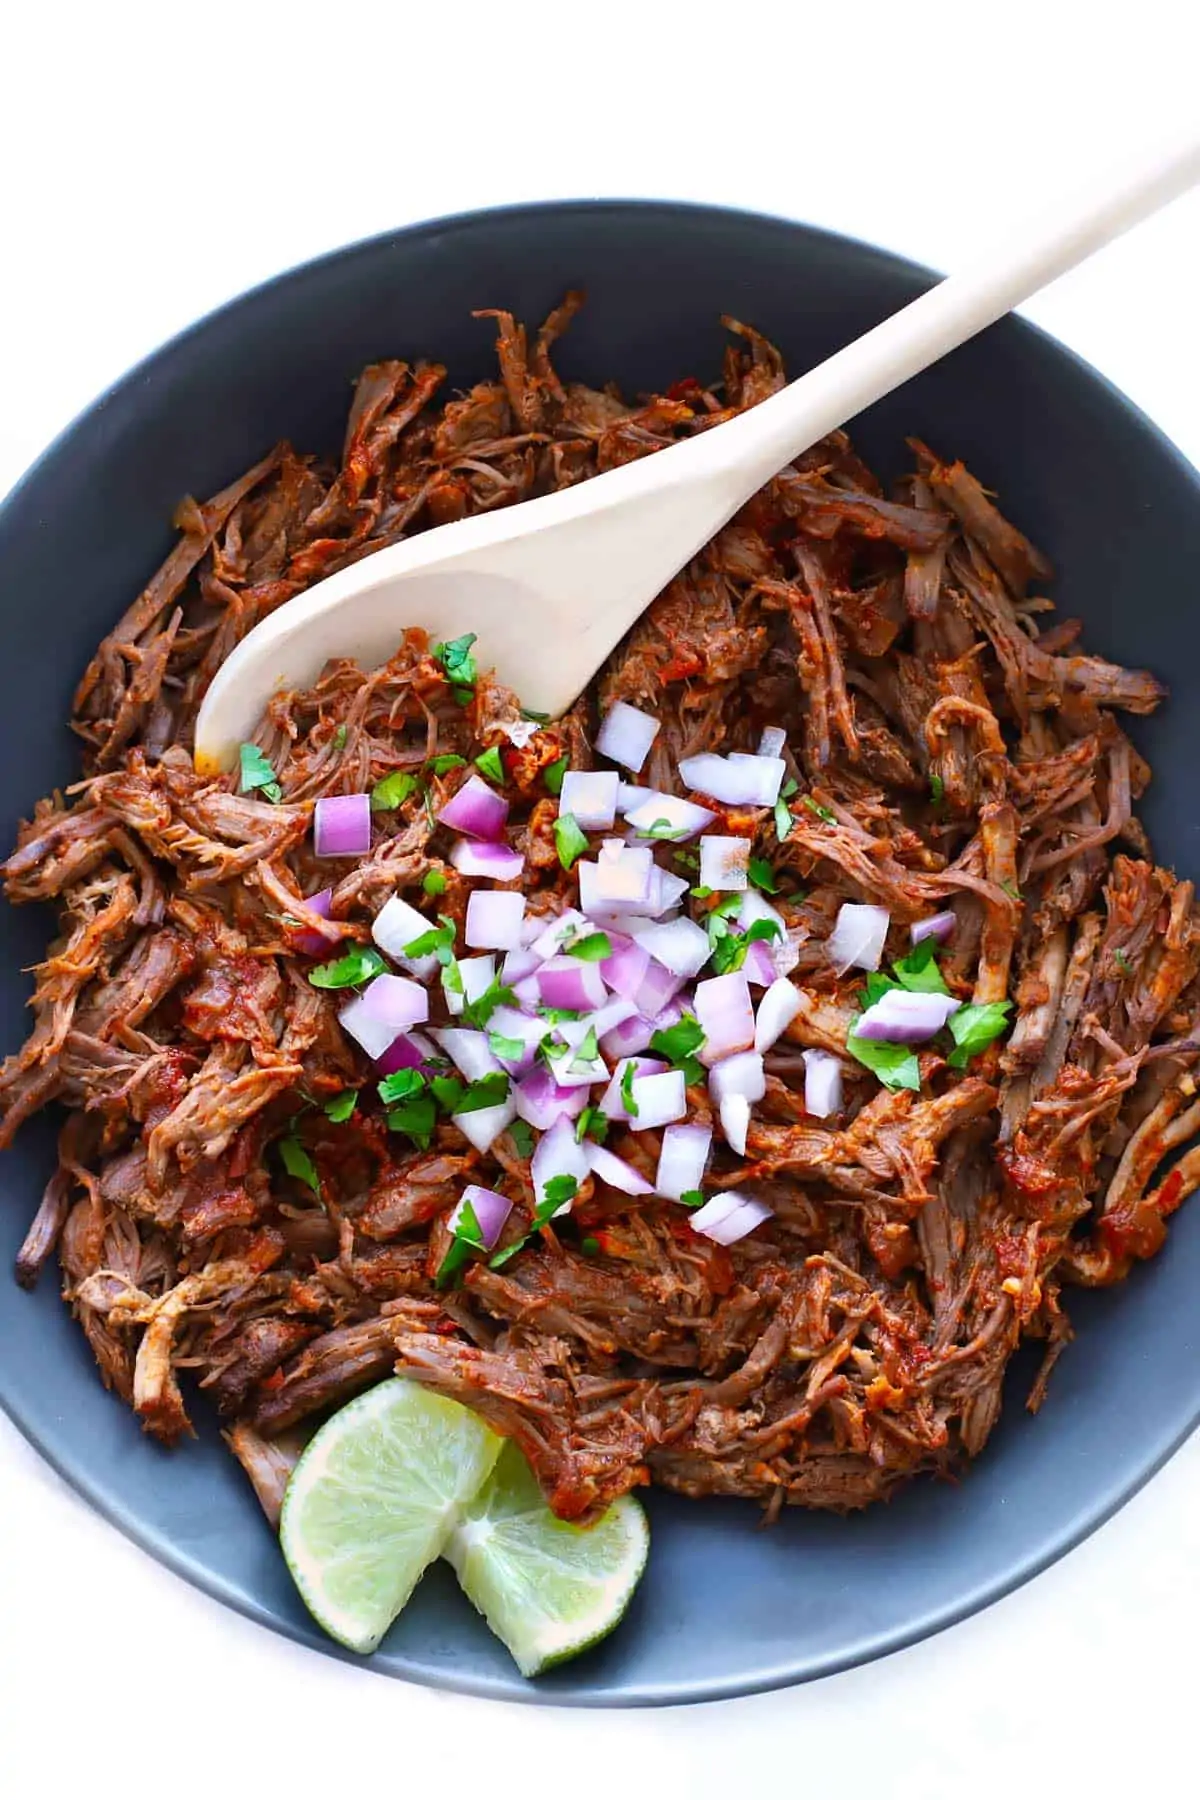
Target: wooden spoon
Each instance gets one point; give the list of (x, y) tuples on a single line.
[(551, 585)]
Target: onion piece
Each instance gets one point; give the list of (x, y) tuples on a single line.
[(590, 795), (475, 809), (517, 965), (679, 945), (776, 1010), (759, 966), (772, 741), (507, 1022), (735, 1121), (542, 1103), (657, 988), (677, 820), (632, 1035), (754, 906), (629, 796), (520, 732), (659, 1099), (342, 825), (822, 1084), (313, 942), (735, 780), (620, 880), (682, 1160), (665, 890), (626, 735), (398, 924), (526, 992), (625, 970), (727, 1217), (558, 1154), (477, 974), (941, 926), (385, 1008), (741, 1074), (609, 1017), (857, 938), (722, 1006), (487, 861), (483, 1127), (494, 919), (614, 1171), (612, 1104), (409, 1051), (468, 1051), (491, 1212), (900, 1017), (725, 864), (565, 981), (548, 940)]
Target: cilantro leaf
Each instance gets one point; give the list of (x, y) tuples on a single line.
[(392, 791), (570, 840), (590, 1246), (895, 1064), (919, 972), (591, 1123), (559, 1189), (593, 948), (937, 789), (434, 883), (402, 1085), (1011, 889), (358, 965), (339, 737), (678, 1043), (489, 1090), (691, 1197), (466, 1238), (298, 1162), (538, 718), (437, 941), (447, 1090), (557, 1014), (763, 875), (257, 774), (522, 1137), (783, 820), (489, 764), (553, 775), (729, 951), (821, 812), (876, 986), (1122, 961), (661, 828), (455, 657), (628, 1076), (440, 765), (341, 1106), (415, 1118), (588, 1051), (973, 1028), (478, 1012), (499, 1045)]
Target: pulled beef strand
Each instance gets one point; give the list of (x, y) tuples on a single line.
[(951, 755)]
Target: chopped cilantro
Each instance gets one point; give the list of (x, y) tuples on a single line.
[(358, 965), (553, 775), (478, 1012), (499, 1045), (687, 859), (447, 1090), (1011, 889), (628, 1076), (538, 718), (895, 1064), (593, 948), (973, 1028), (783, 820), (678, 1043), (591, 1123), (341, 1106), (437, 941), (434, 883), (763, 875), (489, 1090), (729, 950), (559, 1189), (691, 1197), (298, 1162), (937, 789), (455, 657), (415, 1118), (557, 1014), (402, 1085), (587, 1052), (257, 775), (590, 1246), (919, 972), (522, 1138), (339, 738), (661, 828), (466, 1238), (1122, 961), (489, 764), (570, 840), (821, 812), (440, 765), (392, 791)]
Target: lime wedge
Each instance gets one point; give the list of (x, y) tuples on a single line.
[(373, 1500), (547, 1589)]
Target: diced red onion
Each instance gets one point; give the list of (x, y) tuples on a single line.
[(776, 1010), (409, 1051), (342, 825), (612, 1105), (679, 945), (477, 974), (520, 732), (468, 1051), (526, 992), (629, 1037), (551, 934), (754, 906), (590, 795), (665, 890), (507, 1022), (626, 735), (518, 964), (657, 988), (541, 1102), (475, 809), (857, 938), (785, 951), (566, 981), (570, 1069), (660, 1099), (494, 919), (722, 1006), (759, 966), (772, 741), (735, 780), (682, 1160), (558, 1154), (609, 1017), (899, 1017), (822, 1084), (491, 1211), (398, 924), (388, 1006), (629, 796), (617, 882), (483, 1127), (683, 818), (625, 970), (735, 1121), (727, 1217), (741, 1074), (614, 1171), (725, 864), (487, 861), (313, 942), (941, 926)]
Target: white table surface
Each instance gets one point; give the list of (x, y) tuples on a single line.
[(159, 160)]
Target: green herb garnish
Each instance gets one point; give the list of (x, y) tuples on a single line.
[(339, 737), (588, 1051), (557, 1015), (691, 1197), (570, 840), (763, 875), (478, 1012), (298, 1162), (821, 812), (521, 1134), (437, 941), (489, 1090), (937, 789), (591, 1123), (919, 972), (729, 951), (702, 893), (593, 948), (895, 1064), (415, 1118), (441, 765), (402, 1085), (489, 764), (1011, 889), (341, 1106), (455, 657), (553, 774), (392, 791), (661, 828), (559, 1190), (466, 1238), (678, 1043), (358, 965), (973, 1028), (1122, 961), (590, 1246), (257, 775), (447, 1090), (434, 883), (628, 1076), (511, 1047)]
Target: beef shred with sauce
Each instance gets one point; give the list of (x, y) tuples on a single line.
[(951, 748)]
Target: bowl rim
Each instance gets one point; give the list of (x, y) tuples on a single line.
[(455, 1680)]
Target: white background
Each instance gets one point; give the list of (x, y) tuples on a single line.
[(157, 162)]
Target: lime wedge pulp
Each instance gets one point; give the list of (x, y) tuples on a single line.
[(373, 1500), (548, 1589)]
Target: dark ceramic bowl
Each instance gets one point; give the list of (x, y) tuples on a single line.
[(725, 1607)]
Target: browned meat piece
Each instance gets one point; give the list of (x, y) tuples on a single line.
[(268, 1462), (1004, 546), (331, 1368)]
